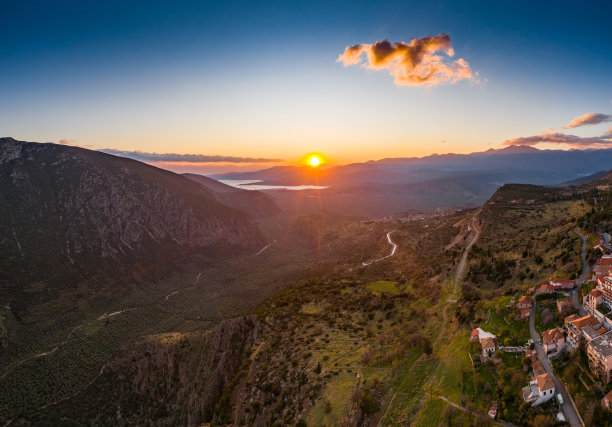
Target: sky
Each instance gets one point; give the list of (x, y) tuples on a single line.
[(263, 83)]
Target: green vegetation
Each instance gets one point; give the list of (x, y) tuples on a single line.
[(383, 286)]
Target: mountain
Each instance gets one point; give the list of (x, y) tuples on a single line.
[(516, 164), (256, 203), (67, 213), (584, 179)]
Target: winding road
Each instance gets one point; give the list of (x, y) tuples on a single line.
[(365, 264), (567, 408)]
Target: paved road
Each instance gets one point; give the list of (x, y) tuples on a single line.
[(364, 264), (583, 274), (568, 410)]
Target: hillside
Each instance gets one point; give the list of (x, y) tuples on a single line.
[(255, 203), (69, 210)]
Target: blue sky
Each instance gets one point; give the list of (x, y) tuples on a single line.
[(261, 79)]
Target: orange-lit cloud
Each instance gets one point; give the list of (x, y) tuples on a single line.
[(417, 63), (67, 141), (189, 158), (560, 138), (588, 119)]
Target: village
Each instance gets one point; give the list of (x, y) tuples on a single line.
[(569, 349)]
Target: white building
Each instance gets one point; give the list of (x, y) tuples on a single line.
[(540, 390)]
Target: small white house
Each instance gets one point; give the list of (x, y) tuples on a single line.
[(540, 390)]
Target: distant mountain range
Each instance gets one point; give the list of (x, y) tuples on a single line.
[(382, 187), (515, 163)]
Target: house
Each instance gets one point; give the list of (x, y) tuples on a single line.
[(488, 347), (606, 289), (603, 266), (540, 390), (478, 335), (593, 299), (524, 313), (574, 326), (524, 302), (599, 352), (553, 340), (546, 289), (604, 244), (561, 284), (606, 401)]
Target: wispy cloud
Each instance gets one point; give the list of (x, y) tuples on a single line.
[(67, 141), (417, 63), (561, 138), (187, 158), (588, 119)]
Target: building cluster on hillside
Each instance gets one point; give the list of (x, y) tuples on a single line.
[(592, 331)]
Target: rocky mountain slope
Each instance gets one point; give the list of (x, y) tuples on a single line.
[(67, 212), (256, 203)]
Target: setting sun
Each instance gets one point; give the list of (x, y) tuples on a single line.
[(314, 161)]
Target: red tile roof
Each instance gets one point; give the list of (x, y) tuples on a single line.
[(587, 320), (552, 336), (545, 382), (595, 293)]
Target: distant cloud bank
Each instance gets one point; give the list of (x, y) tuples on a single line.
[(551, 137), (588, 119), (561, 138), (411, 64), (187, 158)]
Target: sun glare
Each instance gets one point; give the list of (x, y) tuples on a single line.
[(314, 161)]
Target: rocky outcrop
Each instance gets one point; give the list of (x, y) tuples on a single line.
[(183, 380), (67, 207)]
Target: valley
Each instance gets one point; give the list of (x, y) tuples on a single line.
[(325, 319)]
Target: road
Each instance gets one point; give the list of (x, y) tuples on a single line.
[(365, 264), (585, 271), (568, 410), (459, 275)]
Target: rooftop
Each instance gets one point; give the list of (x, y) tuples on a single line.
[(590, 333), (545, 382), (552, 335), (595, 293), (587, 320), (602, 344), (487, 342)]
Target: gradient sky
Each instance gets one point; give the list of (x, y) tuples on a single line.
[(261, 79)]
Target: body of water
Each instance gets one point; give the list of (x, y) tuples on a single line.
[(251, 184)]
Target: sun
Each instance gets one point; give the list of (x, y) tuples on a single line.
[(314, 161)]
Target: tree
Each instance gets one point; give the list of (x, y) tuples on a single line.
[(368, 403)]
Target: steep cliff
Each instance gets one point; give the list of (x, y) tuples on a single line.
[(66, 211), (175, 380)]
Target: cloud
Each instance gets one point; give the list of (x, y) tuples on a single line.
[(561, 138), (67, 141), (588, 119), (188, 158), (411, 64)]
